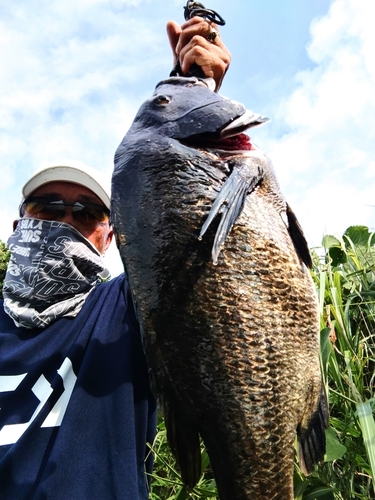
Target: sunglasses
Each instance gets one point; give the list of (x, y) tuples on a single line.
[(51, 209)]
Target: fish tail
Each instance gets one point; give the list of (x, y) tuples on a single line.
[(311, 440), (184, 441)]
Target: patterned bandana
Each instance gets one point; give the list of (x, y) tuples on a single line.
[(51, 271)]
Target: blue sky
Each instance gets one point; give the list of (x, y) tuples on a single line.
[(73, 74)]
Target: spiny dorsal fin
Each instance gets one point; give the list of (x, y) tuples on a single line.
[(298, 238)]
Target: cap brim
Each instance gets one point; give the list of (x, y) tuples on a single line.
[(78, 174)]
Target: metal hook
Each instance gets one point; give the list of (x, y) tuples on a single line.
[(192, 9)]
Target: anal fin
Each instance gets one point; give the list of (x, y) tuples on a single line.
[(184, 441)]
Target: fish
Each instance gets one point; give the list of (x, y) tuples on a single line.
[(218, 268)]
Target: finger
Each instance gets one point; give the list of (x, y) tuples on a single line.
[(199, 48), (204, 58), (174, 29), (173, 32), (213, 60), (194, 27)]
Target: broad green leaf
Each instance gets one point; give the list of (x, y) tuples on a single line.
[(300, 486), (182, 494), (359, 235), (205, 460), (367, 423), (334, 449), (330, 241)]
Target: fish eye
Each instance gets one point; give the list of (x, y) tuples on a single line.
[(162, 99)]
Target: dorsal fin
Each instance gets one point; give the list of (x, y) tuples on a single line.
[(298, 238)]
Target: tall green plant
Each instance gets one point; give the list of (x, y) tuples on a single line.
[(345, 277)]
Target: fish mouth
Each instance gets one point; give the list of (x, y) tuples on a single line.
[(238, 142), (230, 137)]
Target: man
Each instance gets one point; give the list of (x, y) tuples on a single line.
[(75, 406)]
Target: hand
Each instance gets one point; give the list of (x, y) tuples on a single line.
[(190, 45)]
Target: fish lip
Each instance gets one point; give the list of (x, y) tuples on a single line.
[(186, 80), (241, 123)]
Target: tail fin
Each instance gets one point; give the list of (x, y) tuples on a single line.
[(312, 440)]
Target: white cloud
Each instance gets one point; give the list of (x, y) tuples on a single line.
[(72, 76), (68, 74), (326, 160)]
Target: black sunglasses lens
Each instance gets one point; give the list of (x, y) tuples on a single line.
[(90, 211), (43, 209), (48, 209)]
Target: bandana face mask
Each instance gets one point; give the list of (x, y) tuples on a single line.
[(51, 271)]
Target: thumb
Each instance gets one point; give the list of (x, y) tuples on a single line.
[(173, 32)]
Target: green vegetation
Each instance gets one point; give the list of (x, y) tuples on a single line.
[(344, 273), (4, 258), (345, 277)]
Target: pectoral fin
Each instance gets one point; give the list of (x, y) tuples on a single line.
[(229, 203)]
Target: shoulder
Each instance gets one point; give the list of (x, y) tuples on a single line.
[(118, 282), (118, 285)]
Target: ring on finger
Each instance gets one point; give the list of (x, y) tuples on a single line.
[(211, 37)]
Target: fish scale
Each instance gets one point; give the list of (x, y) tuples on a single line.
[(232, 347), (256, 387)]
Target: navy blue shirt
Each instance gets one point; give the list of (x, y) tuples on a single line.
[(75, 405)]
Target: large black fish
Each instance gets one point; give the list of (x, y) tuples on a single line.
[(217, 265)]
